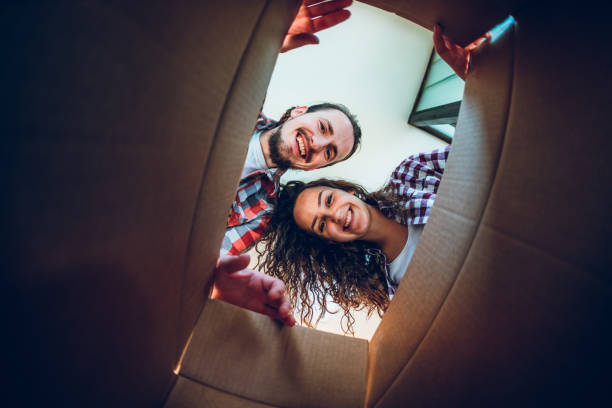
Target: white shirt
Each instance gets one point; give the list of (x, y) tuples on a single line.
[(255, 159), (397, 268)]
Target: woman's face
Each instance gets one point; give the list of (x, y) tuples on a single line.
[(332, 213)]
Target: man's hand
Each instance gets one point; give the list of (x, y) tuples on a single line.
[(458, 58), (251, 289), (314, 16)]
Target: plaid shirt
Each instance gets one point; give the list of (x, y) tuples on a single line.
[(414, 184), (252, 205)]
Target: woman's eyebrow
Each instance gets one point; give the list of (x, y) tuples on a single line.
[(314, 220)]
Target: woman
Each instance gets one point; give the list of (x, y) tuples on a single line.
[(332, 239)]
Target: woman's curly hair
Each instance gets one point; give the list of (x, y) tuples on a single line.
[(352, 274)]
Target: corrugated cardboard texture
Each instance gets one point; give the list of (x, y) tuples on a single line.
[(463, 21), (116, 114), (226, 158), (122, 128), (525, 320), (190, 394), (255, 357), (447, 237)]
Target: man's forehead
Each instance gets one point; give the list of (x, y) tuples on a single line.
[(332, 114)]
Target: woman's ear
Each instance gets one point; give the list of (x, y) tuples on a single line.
[(297, 111)]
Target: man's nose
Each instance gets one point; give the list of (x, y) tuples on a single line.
[(319, 142)]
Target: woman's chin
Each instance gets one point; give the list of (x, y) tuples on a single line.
[(359, 229), (352, 236)]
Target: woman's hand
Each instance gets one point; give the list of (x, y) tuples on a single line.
[(313, 17), (458, 58)]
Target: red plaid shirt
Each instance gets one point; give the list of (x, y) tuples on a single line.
[(252, 205)]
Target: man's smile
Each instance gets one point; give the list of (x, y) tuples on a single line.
[(302, 145)]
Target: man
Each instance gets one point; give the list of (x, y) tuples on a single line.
[(304, 138)]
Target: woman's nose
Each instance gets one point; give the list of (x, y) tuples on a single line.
[(332, 214), (337, 217)]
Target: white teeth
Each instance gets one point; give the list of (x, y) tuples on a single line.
[(301, 146), (349, 217)]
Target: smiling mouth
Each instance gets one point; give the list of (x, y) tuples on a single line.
[(301, 142), (349, 218)]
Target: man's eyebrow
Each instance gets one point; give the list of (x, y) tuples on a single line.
[(330, 127), (314, 220)]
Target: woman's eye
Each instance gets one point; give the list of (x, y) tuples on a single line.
[(321, 226), (329, 199)]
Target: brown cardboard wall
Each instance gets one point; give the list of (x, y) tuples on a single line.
[(113, 112), (123, 124), (234, 128), (524, 320), (447, 237)]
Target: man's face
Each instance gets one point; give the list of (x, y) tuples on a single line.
[(312, 140)]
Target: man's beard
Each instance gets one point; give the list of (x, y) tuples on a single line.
[(274, 144)]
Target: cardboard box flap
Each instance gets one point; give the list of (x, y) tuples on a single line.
[(188, 393), (114, 123), (254, 357), (463, 21), (226, 157), (447, 238), (524, 319)]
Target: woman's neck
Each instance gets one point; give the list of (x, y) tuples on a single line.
[(391, 236)]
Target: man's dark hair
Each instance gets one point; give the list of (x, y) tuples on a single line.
[(326, 106)]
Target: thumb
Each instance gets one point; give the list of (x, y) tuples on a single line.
[(297, 40), (231, 264)]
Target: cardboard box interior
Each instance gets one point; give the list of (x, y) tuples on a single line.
[(125, 130)]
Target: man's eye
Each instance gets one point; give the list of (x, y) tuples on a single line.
[(321, 226), (327, 154), (322, 127), (329, 199)]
